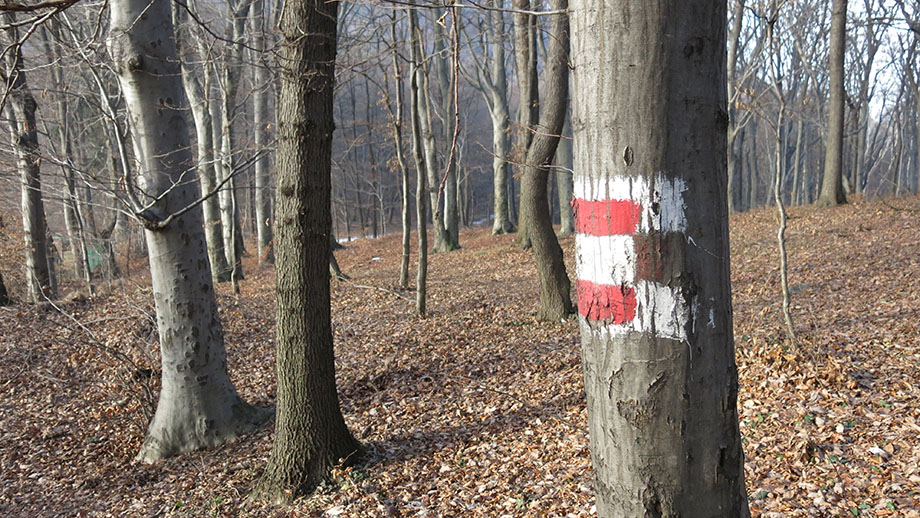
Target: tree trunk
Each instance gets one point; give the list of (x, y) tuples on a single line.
[(525, 64), (564, 180), (262, 121), (198, 405), (731, 63), (230, 79), (652, 253), (21, 108), (416, 78), (4, 295), (400, 159), (310, 432), (197, 92), (450, 217), (501, 121), (555, 301), (832, 186)]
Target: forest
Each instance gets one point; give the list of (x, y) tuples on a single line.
[(569, 258)]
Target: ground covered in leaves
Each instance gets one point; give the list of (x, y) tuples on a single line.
[(478, 410)]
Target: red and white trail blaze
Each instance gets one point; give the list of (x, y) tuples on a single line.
[(620, 284)]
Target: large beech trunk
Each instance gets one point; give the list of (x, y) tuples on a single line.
[(310, 432), (652, 253), (198, 405)]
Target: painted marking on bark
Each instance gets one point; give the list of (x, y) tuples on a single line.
[(606, 302), (628, 231), (606, 217)]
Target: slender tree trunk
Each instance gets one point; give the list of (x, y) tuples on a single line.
[(416, 78), (198, 405), (40, 282), (450, 217), (555, 301), (731, 64), (652, 248), (564, 181), (262, 121), (832, 186), (310, 432), (229, 155), (501, 121), (400, 159), (4, 295), (197, 91), (525, 63)]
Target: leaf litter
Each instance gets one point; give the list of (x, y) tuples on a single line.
[(478, 409)]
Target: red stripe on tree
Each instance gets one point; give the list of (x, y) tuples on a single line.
[(606, 217), (613, 303)]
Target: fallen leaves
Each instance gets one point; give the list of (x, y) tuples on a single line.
[(478, 410)]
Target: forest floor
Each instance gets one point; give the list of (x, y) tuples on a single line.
[(479, 410)]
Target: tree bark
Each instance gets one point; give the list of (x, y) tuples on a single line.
[(262, 121), (400, 159), (564, 180), (832, 192), (555, 301), (40, 282), (652, 252), (198, 405), (197, 91), (416, 78), (310, 432), (525, 63)]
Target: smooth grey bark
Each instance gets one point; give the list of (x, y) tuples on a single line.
[(555, 299), (429, 146), (198, 85), (732, 63), (650, 109), (501, 122), (832, 192), (310, 431), (229, 154), (72, 202), (262, 121), (21, 106), (450, 217), (416, 79), (492, 82), (564, 180), (198, 405), (406, 217)]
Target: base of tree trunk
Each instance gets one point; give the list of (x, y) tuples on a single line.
[(824, 203), (174, 440), (445, 247), (296, 474), (504, 227)]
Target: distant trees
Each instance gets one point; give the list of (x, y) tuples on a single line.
[(652, 254), (23, 129)]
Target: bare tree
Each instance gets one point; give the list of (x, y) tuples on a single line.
[(652, 256), (832, 192), (198, 405), (310, 432), (20, 109)]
